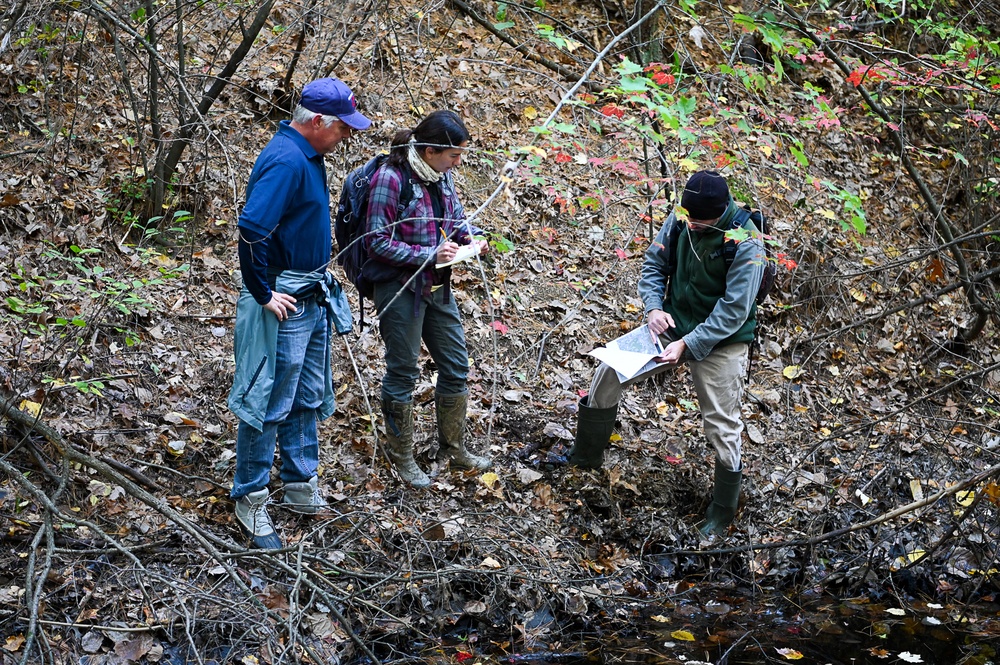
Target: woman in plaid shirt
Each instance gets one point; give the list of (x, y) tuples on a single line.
[(407, 243)]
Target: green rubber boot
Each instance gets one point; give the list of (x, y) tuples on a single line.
[(725, 501), (399, 437), (593, 431), (451, 413)]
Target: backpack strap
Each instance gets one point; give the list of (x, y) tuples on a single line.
[(405, 187), (729, 246), (669, 252), (405, 197), (729, 249)]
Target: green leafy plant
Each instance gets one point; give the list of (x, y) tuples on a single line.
[(501, 17), (549, 33), (500, 243), (85, 386), (77, 296)]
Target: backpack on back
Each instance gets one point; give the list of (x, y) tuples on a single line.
[(351, 223), (770, 273), (729, 248)]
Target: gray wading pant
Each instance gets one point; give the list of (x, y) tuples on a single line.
[(719, 381), (439, 326)]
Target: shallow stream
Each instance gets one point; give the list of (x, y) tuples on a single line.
[(839, 632)]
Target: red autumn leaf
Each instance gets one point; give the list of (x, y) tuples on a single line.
[(662, 78), (463, 656), (499, 327), (612, 110), (621, 253), (786, 262)]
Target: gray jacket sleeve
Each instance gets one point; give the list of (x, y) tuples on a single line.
[(732, 310), (653, 280)]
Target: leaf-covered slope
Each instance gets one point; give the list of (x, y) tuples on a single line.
[(875, 385)]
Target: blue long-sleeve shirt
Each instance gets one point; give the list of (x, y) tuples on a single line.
[(285, 224)]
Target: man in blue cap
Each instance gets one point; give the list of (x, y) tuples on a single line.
[(283, 382), (704, 313)]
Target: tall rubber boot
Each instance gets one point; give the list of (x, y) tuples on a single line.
[(725, 501), (451, 414), (399, 436), (593, 431)]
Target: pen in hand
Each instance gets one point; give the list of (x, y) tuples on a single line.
[(447, 249), (656, 340)]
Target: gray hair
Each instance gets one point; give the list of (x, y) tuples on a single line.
[(304, 116)]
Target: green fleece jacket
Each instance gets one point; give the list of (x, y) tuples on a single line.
[(710, 306)]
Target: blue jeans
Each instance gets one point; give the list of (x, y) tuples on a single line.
[(437, 324), (291, 410)]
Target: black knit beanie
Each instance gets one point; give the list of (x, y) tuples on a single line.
[(706, 195)]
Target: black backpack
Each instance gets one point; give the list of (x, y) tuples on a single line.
[(729, 249), (351, 224)]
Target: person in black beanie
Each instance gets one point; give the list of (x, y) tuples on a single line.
[(704, 315)]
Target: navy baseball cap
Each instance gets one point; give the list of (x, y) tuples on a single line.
[(332, 97)]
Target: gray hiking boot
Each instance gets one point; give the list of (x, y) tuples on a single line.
[(304, 498), (451, 415), (255, 523), (399, 442)]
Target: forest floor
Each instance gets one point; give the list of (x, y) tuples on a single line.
[(528, 558), (868, 509)]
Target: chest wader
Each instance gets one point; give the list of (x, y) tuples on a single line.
[(593, 431)]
